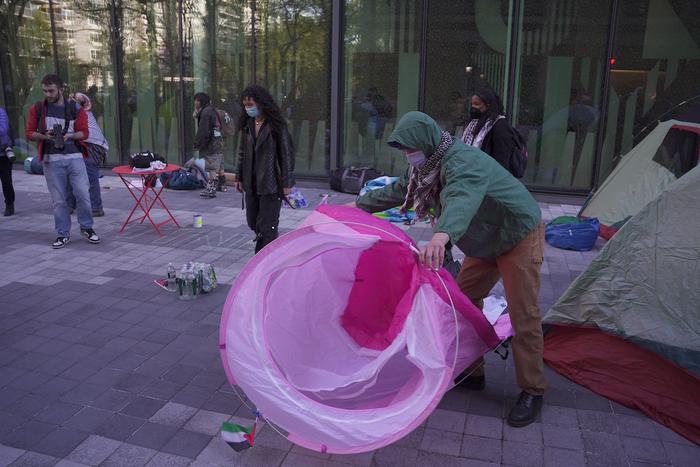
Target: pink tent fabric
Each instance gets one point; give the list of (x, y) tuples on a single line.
[(338, 335)]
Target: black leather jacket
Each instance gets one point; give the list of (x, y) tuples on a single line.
[(265, 163)]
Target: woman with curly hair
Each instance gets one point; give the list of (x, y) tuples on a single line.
[(265, 172)]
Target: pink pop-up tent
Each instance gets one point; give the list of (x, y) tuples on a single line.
[(338, 335)]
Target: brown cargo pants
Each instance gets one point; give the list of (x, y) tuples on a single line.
[(520, 270)]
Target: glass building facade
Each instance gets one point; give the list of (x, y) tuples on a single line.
[(582, 80)]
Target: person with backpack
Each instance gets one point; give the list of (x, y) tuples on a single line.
[(59, 126), (209, 141), (265, 172), (7, 157), (97, 147), (489, 130), (473, 202)]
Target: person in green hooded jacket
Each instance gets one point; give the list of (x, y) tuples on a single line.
[(476, 204)]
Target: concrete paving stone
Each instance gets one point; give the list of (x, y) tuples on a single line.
[(668, 435), (8, 395), (55, 365), (222, 402), (135, 382), (636, 427), (28, 435), (60, 442), (29, 380), (120, 343), (95, 338), (443, 460), (154, 366), (299, 460), (622, 410), (486, 449), (94, 450), (80, 372), (682, 455), (209, 423), (559, 416), (127, 361), (187, 444), (55, 387), (129, 455), (74, 334), (34, 459), (161, 336), (161, 389), (603, 447), (173, 414), (29, 405), (119, 426), (447, 420), (531, 434), (9, 454), (395, 456), (181, 373), (135, 332), (489, 427), (645, 450), (442, 442), (58, 412), (486, 405), (28, 343), (88, 419), (10, 421), (560, 437), (67, 463), (413, 439), (78, 351), (522, 454), (592, 420), (210, 379), (143, 407), (152, 435), (456, 400), (560, 397), (588, 400), (113, 400), (162, 459), (28, 360), (193, 396)]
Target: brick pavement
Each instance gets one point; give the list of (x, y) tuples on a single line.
[(98, 366)]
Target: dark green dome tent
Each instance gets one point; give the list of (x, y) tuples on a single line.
[(628, 327)]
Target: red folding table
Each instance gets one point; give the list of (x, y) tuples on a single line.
[(146, 195)]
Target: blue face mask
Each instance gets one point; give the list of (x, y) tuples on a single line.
[(252, 111), (416, 159)]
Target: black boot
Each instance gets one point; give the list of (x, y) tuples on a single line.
[(525, 411), (9, 209), (222, 183)]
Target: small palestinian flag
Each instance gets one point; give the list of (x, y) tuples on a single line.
[(237, 436)]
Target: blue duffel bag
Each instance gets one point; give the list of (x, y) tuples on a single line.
[(579, 236), (181, 180)]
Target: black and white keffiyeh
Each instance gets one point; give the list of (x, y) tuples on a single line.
[(471, 137), (423, 193)]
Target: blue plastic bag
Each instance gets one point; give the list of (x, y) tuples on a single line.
[(578, 237)]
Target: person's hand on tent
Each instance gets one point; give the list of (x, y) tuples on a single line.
[(432, 255)]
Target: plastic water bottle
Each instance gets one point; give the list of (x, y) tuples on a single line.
[(172, 278), (192, 283), (184, 285)]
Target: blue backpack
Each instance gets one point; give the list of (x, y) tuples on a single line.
[(181, 180)]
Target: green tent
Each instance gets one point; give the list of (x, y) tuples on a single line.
[(628, 327), (670, 150)]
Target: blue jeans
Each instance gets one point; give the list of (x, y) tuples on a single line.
[(62, 176), (93, 173)]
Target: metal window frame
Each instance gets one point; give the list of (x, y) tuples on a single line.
[(337, 82)]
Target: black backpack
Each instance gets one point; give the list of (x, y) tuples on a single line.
[(352, 179), (517, 162)]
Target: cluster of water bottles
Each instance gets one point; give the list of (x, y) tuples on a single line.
[(192, 280)]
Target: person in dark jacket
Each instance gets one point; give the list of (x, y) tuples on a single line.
[(7, 157), (487, 128), (477, 205), (265, 170), (209, 141)]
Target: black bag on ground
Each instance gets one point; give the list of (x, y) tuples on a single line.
[(352, 179)]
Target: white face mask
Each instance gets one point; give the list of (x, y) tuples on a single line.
[(416, 159)]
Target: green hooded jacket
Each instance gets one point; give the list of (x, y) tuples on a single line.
[(484, 209)]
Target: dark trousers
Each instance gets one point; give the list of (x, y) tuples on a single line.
[(8, 190), (263, 215)]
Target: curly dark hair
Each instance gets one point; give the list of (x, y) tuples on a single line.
[(266, 106), (494, 107)]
